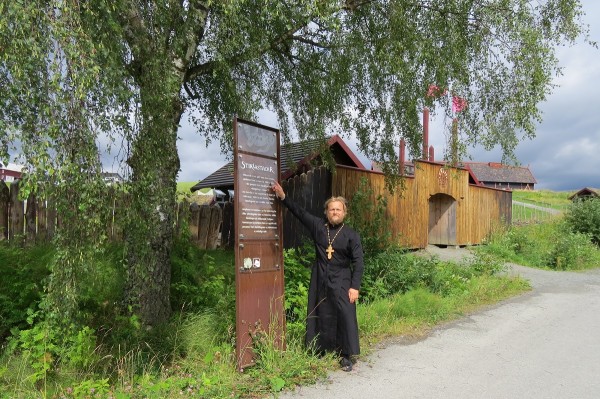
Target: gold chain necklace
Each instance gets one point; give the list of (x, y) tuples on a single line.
[(330, 250)]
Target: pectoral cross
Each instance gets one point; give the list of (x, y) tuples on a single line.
[(329, 251)]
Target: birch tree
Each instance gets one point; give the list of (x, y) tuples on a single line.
[(72, 72)]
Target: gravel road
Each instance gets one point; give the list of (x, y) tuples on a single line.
[(543, 344)]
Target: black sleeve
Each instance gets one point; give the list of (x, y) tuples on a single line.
[(357, 258)]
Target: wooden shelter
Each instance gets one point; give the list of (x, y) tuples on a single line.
[(438, 206), (295, 158), (498, 175), (585, 193)]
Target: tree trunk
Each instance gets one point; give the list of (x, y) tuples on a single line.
[(151, 216)]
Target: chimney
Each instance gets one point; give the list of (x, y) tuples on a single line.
[(425, 132), (431, 154)]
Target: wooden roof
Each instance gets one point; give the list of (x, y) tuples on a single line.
[(294, 158), (585, 192), (494, 172)]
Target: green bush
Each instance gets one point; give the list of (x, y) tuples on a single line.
[(202, 280), (584, 217), (297, 280), (24, 272), (551, 244), (570, 251), (394, 271), (369, 219)]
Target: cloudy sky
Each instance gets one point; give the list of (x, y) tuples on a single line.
[(565, 155)]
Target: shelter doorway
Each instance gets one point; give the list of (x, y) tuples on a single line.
[(442, 220)]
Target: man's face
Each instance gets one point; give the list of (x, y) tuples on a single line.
[(335, 212)]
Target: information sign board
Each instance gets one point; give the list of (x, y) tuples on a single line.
[(258, 243)]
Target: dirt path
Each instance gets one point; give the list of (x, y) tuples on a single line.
[(544, 344)]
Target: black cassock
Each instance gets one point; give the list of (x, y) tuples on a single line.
[(331, 323)]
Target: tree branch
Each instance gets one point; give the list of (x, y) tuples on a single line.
[(237, 59)]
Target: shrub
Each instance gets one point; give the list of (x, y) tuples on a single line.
[(550, 244), (394, 271), (369, 219), (297, 277), (23, 272), (584, 217), (202, 279), (570, 250)]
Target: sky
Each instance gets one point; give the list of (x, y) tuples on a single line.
[(564, 155)]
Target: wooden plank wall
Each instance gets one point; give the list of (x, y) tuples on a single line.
[(37, 220), (477, 208), (309, 190)]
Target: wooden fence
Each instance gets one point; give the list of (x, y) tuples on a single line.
[(474, 209), (438, 206), (35, 220), (468, 212)]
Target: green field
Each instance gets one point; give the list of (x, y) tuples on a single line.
[(545, 198), (184, 187)]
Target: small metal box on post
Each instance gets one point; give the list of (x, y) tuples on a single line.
[(258, 242)]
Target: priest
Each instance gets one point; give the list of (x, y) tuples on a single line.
[(335, 280)]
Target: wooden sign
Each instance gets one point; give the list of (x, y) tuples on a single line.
[(258, 242)]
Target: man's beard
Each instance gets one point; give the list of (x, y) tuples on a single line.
[(336, 220)]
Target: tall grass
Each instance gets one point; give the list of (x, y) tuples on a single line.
[(551, 245), (194, 355)]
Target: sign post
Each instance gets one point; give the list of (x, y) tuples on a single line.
[(258, 239)]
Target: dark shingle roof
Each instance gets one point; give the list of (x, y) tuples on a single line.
[(585, 192), (492, 172), (292, 155)]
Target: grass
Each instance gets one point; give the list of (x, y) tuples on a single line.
[(522, 214), (547, 245), (184, 187), (413, 314), (549, 199)]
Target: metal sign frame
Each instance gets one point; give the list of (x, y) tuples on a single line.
[(259, 277)]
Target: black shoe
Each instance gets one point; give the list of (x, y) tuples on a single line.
[(346, 364)]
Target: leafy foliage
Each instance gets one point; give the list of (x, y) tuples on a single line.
[(394, 271), (21, 286), (583, 217), (202, 279), (194, 354), (551, 244), (121, 73), (368, 217), (297, 277)]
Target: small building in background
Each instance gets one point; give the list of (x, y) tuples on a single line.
[(111, 178), (585, 193), (295, 158), (501, 176), (10, 173)]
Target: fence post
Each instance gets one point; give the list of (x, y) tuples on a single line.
[(15, 228), (228, 227), (42, 221), (203, 225), (4, 201), (216, 217), (194, 221), (30, 218)]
